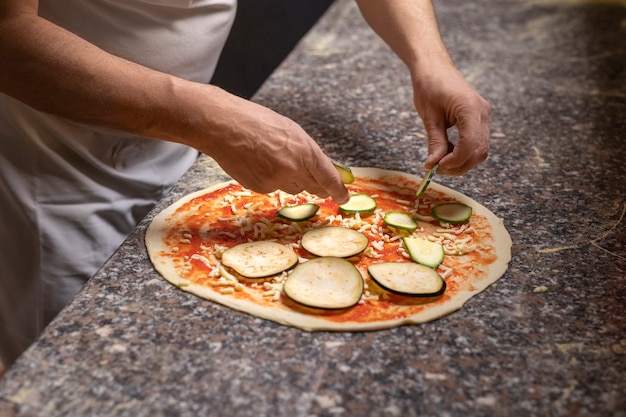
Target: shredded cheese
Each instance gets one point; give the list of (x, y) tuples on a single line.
[(250, 220), (446, 271), (202, 259)]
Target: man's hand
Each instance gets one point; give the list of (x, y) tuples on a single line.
[(444, 99), (265, 151)]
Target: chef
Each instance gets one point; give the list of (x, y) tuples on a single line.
[(104, 104)]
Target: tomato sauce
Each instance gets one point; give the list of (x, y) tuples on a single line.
[(231, 215)]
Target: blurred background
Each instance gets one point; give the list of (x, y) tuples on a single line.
[(263, 34)]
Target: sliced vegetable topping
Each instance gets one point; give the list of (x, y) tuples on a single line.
[(407, 278), (452, 213), (424, 251), (334, 241), (400, 220), (326, 282), (298, 213), (426, 181), (259, 259), (359, 203), (344, 172)]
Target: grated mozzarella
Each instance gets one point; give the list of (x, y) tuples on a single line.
[(423, 218), (378, 245), (202, 259), (371, 253), (243, 193), (446, 236)]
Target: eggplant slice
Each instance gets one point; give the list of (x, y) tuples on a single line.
[(334, 241), (259, 259), (407, 278), (326, 282)]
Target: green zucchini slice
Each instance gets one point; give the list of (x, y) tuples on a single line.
[(407, 278), (334, 241), (326, 282), (298, 213), (347, 177), (259, 259), (400, 220), (453, 213), (359, 203), (424, 251), (426, 181)]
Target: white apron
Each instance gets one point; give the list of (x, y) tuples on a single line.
[(69, 195)]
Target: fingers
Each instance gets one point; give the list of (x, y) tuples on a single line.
[(460, 161), (266, 151), (438, 144), (325, 179), (304, 167), (473, 144), (292, 188), (321, 182), (331, 182)]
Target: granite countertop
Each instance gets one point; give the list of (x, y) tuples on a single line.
[(130, 344)]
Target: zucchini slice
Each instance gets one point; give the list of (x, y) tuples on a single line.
[(426, 181), (453, 213), (407, 278), (298, 213), (424, 251), (334, 241), (400, 220), (347, 177), (326, 282), (359, 203), (259, 259)]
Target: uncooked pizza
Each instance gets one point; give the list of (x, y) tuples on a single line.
[(389, 256)]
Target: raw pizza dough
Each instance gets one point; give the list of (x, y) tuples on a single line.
[(184, 242)]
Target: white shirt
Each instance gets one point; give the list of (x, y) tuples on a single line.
[(71, 194)]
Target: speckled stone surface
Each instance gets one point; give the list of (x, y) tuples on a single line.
[(132, 345)]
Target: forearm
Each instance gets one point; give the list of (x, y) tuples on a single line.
[(409, 27), (59, 73)]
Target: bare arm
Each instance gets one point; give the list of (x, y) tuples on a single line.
[(71, 73), (80, 82), (442, 97)]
